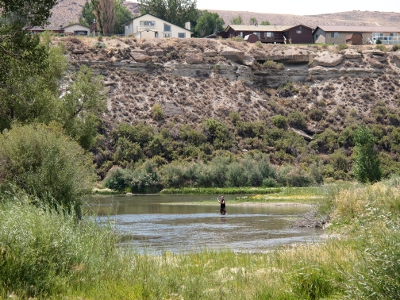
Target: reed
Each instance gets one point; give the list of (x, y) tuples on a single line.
[(51, 256)]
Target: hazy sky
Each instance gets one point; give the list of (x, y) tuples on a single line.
[(305, 7)]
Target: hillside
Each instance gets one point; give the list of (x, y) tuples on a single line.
[(68, 11), (322, 92)]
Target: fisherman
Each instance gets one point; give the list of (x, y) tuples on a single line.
[(222, 205)]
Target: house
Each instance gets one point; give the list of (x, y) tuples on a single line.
[(299, 34), (340, 34), (150, 27), (76, 29)]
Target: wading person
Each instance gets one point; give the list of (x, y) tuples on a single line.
[(222, 205)]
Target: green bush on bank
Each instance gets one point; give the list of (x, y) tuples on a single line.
[(43, 162), (251, 170)]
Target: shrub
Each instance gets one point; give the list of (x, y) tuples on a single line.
[(279, 121), (342, 46), (259, 44), (316, 114), (270, 64), (45, 163), (297, 120), (157, 112), (293, 176), (118, 180), (378, 41), (395, 47)]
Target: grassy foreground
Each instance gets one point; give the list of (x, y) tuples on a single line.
[(49, 256)]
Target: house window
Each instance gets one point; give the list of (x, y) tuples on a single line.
[(167, 35), (147, 23), (298, 31), (241, 33), (257, 34), (269, 34), (181, 35), (334, 34), (167, 28)]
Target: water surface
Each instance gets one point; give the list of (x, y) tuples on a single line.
[(179, 223)]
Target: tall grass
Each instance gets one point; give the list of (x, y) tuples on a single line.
[(51, 256)]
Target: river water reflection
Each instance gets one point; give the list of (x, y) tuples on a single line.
[(179, 223)]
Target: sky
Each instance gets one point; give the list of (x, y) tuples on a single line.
[(304, 7)]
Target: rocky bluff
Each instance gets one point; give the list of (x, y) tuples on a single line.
[(195, 79)]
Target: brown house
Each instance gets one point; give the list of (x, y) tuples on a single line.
[(299, 34)]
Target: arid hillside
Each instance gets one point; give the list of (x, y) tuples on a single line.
[(197, 79), (349, 18), (298, 104), (69, 11)]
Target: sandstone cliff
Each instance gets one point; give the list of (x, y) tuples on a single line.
[(197, 79)]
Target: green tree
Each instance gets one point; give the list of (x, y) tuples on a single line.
[(265, 22), (122, 15), (237, 21), (177, 12), (29, 79), (253, 21), (45, 163), (208, 23), (82, 106), (87, 14), (366, 164)]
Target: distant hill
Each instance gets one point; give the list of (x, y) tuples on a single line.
[(355, 17), (69, 11)]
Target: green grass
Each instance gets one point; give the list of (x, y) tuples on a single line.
[(51, 256), (222, 191)]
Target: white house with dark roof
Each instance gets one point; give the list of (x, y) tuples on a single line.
[(341, 34), (76, 29), (150, 27)]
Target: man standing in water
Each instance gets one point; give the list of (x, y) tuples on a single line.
[(222, 205)]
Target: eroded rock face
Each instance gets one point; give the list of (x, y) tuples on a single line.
[(140, 57), (194, 58), (328, 59), (351, 54), (396, 58)]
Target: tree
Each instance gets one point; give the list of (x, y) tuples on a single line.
[(82, 106), (122, 15), (44, 163), (366, 164), (253, 21), (27, 12), (265, 22), (87, 14), (104, 12), (177, 12), (29, 79), (208, 23), (237, 21)]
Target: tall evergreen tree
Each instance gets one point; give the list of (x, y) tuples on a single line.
[(366, 164)]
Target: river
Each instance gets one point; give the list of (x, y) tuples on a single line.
[(181, 223)]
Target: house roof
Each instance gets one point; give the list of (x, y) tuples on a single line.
[(268, 28), (74, 24), (358, 29), (157, 18)]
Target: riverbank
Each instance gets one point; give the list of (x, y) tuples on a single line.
[(85, 263)]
